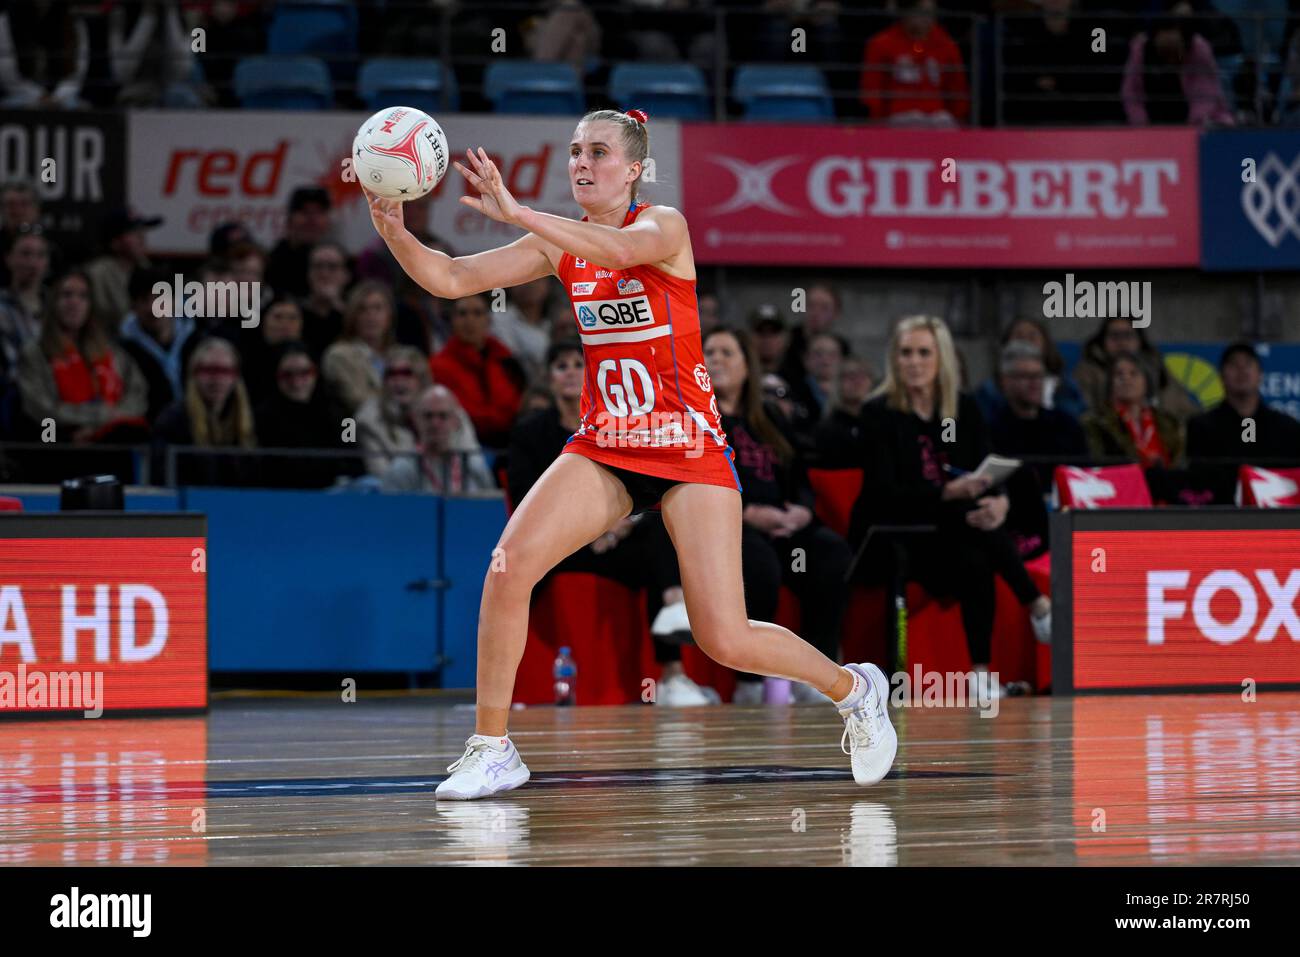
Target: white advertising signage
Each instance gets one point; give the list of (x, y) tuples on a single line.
[(200, 169)]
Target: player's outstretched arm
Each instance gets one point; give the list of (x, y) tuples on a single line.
[(450, 277), (656, 235)]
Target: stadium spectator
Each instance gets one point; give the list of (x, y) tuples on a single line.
[(771, 339), (1051, 73), (237, 30), (20, 213), (248, 263), (838, 440), (1242, 429), (1115, 336), (259, 346), (74, 374), (777, 391), (44, 55), (1172, 77), (815, 389), (710, 309), (110, 274), (227, 236), (150, 56), (385, 427), (566, 33), (354, 365), (1020, 425), (214, 273), (1129, 426), (777, 509), (913, 73), (915, 474), (299, 414), (524, 326), (214, 417), (635, 552), (479, 369), (22, 300), (328, 277), (824, 309), (1059, 390), (156, 342), (450, 461), (308, 224)]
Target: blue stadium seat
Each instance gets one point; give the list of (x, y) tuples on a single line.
[(782, 92), (521, 86), (283, 83), (675, 90), (322, 28), (395, 81)]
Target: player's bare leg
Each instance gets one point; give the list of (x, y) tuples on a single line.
[(704, 524), (573, 503)]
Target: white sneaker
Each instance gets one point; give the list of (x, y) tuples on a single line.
[(871, 739), (679, 691), (484, 769), (748, 692), (1042, 627)]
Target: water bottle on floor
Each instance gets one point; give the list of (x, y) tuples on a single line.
[(566, 678)]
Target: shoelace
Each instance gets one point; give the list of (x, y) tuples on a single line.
[(476, 751), (859, 727)]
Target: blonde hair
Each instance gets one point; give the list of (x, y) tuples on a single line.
[(356, 301), (634, 136), (948, 381), (230, 426)]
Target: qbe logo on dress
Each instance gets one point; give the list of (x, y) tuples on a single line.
[(615, 313)]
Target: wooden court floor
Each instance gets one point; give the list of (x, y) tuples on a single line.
[(1204, 779)]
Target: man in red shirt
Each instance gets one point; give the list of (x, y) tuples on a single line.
[(480, 371), (913, 72)]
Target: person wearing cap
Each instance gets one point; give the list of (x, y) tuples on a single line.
[(110, 274), (770, 337), (307, 225), (1218, 441)]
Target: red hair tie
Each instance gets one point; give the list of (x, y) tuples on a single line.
[(638, 115)]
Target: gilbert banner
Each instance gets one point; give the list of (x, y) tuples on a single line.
[(846, 196), (200, 169)]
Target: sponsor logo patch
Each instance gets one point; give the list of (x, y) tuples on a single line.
[(613, 313), (580, 263), (702, 377), (584, 288), (628, 286)]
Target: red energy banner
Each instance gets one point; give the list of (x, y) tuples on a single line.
[(1185, 607), (854, 196), (102, 624)]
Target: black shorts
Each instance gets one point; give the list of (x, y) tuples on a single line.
[(646, 490)]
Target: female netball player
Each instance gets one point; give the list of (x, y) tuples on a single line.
[(650, 433)]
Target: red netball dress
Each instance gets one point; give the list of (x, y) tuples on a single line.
[(647, 402)]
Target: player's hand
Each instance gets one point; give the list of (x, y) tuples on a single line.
[(494, 200), (386, 214), (765, 518)]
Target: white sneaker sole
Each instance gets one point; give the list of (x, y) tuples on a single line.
[(507, 782)]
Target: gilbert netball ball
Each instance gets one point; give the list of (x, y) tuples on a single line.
[(400, 153)]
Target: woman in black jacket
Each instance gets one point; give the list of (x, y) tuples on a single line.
[(781, 540), (921, 437)]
